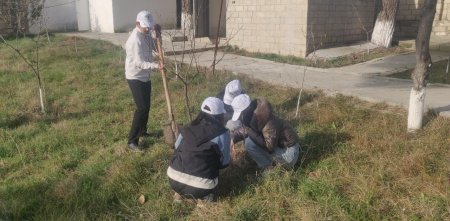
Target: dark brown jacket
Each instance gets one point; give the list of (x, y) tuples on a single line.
[(266, 129)]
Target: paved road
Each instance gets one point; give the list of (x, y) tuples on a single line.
[(365, 81), (361, 80)]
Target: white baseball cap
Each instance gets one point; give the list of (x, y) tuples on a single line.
[(145, 19), (239, 104), (213, 106), (232, 90)]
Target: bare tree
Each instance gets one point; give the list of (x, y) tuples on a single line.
[(423, 65), (383, 31), (15, 14), (33, 16), (217, 38), (186, 16), (363, 27)]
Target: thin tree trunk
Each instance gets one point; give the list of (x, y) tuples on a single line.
[(383, 31), (41, 88), (217, 38), (186, 15), (186, 23), (423, 65), (41, 99)]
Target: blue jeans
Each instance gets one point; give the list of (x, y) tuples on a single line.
[(287, 157)]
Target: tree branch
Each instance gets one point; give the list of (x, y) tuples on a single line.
[(28, 62)]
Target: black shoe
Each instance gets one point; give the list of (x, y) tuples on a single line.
[(134, 147)]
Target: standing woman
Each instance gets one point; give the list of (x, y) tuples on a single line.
[(201, 150), (138, 66)]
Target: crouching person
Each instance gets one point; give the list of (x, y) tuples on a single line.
[(227, 95), (201, 150), (268, 139)]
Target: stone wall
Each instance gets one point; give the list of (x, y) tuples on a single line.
[(441, 24), (332, 22), (268, 26), (12, 18), (407, 19), (409, 15), (3, 18), (298, 27), (3, 28)]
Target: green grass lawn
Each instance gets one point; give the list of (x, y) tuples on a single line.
[(357, 161), (438, 73)]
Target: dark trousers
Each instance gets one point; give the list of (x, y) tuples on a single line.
[(189, 191), (141, 94)]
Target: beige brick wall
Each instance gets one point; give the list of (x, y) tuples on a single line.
[(332, 22), (441, 24), (3, 28), (3, 25), (6, 20), (409, 15), (268, 26), (297, 27), (407, 18)]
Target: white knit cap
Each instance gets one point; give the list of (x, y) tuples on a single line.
[(213, 106), (145, 19), (239, 104), (232, 90)]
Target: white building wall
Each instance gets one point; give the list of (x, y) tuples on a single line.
[(214, 11), (164, 13), (101, 15), (59, 15), (83, 15)]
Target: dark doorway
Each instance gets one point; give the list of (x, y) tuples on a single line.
[(201, 10), (179, 13)]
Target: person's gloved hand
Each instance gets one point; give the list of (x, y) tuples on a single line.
[(238, 134)]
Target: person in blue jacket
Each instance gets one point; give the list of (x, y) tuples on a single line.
[(201, 150)]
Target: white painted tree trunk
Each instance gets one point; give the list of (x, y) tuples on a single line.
[(41, 98), (186, 21), (416, 109), (383, 33), (186, 25), (423, 65)]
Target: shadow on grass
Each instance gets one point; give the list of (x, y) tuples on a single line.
[(314, 147), (84, 195), (15, 122), (24, 119), (23, 202), (291, 104), (236, 179), (318, 144), (151, 139), (432, 115)]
